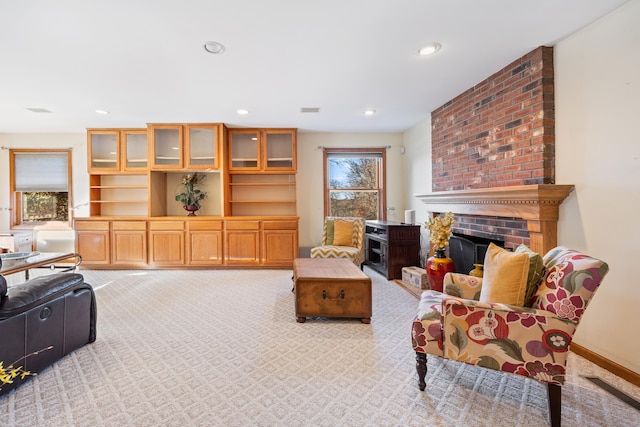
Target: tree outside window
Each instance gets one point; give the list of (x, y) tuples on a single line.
[(354, 186)]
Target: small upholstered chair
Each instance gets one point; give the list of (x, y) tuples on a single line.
[(342, 238), (531, 340)]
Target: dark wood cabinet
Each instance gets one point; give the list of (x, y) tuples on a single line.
[(390, 245)]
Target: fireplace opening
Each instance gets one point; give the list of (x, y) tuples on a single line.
[(466, 250)]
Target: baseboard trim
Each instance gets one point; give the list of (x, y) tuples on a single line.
[(619, 370)]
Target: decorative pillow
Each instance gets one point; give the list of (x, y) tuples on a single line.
[(343, 232), (329, 239), (505, 276), (536, 268)]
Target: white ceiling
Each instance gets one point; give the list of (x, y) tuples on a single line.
[(143, 60)]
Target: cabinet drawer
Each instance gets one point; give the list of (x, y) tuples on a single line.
[(92, 225), (129, 225), (166, 225), (242, 225), (205, 225), (280, 225)]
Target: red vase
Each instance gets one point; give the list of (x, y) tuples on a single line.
[(191, 209), (437, 266)]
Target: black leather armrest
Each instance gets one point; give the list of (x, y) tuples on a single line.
[(30, 294), (3, 287)]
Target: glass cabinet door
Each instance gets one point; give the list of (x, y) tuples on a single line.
[(135, 149), (166, 147), (279, 148), (244, 150), (103, 150), (201, 147)]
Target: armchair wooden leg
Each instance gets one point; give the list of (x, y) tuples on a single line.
[(555, 404), (421, 367)]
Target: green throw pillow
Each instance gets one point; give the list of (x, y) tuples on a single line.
[(330, 230), (536, 268)]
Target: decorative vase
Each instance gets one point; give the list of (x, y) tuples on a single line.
[(191, 209), (478, 271), (437, 266)]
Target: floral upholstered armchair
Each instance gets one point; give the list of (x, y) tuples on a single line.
[(342, 238), (530, 340)]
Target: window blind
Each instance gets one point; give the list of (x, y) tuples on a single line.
[(41, 172)]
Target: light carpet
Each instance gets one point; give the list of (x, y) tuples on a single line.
[(209, 348)]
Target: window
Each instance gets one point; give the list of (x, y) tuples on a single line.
[(354, 182), (40, 183)]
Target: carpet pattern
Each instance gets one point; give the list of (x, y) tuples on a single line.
[(209, 348)]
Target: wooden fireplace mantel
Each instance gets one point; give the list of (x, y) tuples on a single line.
[(537, 204)]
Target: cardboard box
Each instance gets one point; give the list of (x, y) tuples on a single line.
[(415, 276)]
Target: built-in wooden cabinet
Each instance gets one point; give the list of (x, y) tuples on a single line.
[(242, 242), (129, 240), (119, 195), (261, 172), (93, 242), (263, 150), (279, 242), (185, 146), (268, 194), (195, 241), (117, 150), (166, 243), (249, 218), (204, 242)]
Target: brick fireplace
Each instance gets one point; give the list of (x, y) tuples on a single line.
[(493, 151)]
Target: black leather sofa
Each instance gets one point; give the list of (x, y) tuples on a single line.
[(43, 320)]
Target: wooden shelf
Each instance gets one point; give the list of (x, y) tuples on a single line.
[(263, 184), (128, 187), (119, 201), (263, 201)]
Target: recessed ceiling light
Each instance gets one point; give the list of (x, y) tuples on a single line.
[(369, 112), (103, 112), (429, 49), (213, 47), (242, 112)]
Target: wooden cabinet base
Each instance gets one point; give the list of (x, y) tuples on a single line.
[(173, 242)]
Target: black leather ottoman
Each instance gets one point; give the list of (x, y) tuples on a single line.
[(57, 311)]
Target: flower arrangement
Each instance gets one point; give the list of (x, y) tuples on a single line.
[(8, 374), (191, 196), (440, 230)]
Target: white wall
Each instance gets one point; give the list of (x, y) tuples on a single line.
[(598, 150), (310, 170), (417, 166), (597, 84), (80, 179)]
